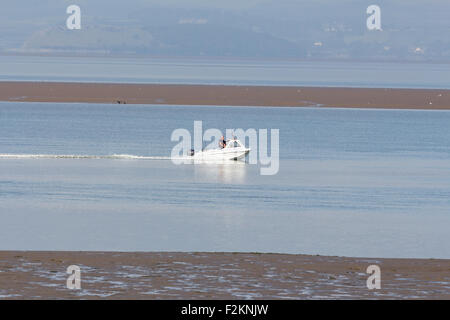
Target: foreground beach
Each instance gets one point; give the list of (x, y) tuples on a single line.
[(165, 275), (225, 95)]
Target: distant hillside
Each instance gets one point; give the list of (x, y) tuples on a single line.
[(314, 29)]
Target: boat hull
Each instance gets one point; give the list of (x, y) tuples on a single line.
[(221, 154)]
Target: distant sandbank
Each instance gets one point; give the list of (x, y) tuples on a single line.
[(221, 95), (197, 275)]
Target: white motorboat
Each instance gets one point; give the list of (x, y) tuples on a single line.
[(233, 150)]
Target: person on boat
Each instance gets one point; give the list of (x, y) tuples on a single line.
[(222, 143)]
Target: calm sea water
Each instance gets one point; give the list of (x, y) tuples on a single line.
[(207, 71), (352, 182)]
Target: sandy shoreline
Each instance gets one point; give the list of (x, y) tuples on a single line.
[(165, 94), (171, 275)]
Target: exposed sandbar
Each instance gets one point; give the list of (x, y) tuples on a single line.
[(167, 94)]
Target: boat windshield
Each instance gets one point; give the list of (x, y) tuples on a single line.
[(233, 144)]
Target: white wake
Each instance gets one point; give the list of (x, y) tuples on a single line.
[(80, 156)]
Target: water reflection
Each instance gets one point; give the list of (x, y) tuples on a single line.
[(227, 172)]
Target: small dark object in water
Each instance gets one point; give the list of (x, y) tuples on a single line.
[(192, 152)]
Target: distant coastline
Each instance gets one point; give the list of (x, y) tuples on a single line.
[(225, 95)]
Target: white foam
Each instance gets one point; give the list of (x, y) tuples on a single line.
[(79, 156)]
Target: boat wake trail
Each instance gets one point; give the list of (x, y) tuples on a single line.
[(78, 156)]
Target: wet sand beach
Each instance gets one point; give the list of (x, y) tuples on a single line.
[(167, 275), (167, 94)]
